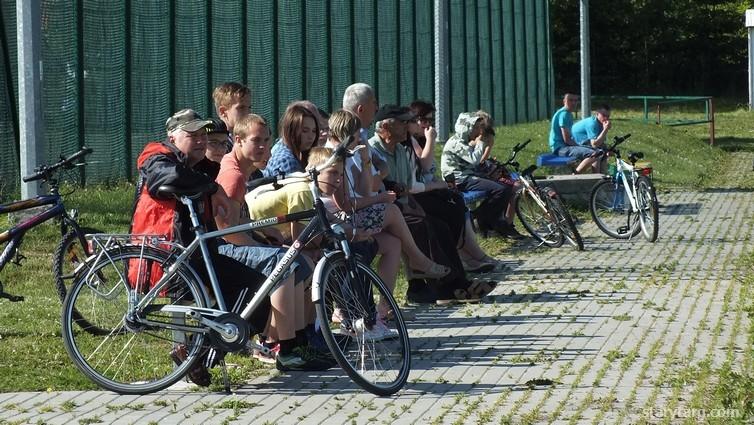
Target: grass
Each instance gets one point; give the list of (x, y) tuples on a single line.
[(32, 357)]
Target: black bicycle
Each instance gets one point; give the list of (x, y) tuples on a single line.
[(72, 249)]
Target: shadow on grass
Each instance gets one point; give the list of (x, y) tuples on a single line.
[(734, 144)]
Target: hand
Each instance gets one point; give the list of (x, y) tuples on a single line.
[(607, 125), (430, 135), (389, 197), (220, 203)]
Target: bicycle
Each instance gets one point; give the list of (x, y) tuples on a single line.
[(72, 248), (625, 203), (540, 209), (147, 321)]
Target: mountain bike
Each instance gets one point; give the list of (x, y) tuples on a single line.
[(625, 203), (72, 248), (540, 209), (146, 319)]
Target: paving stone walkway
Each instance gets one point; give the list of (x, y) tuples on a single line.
[(600, 336)]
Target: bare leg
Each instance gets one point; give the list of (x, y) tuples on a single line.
[(388, 265), (587, 162), (283, 300), (471, 248)]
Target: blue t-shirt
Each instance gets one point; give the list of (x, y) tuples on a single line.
[(585, 130), (561, 119)]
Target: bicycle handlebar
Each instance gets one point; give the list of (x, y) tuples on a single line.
[(44, 171)]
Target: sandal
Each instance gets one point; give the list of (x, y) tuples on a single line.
[(460, 296), (481, 288), (436, 271), (476, 266)]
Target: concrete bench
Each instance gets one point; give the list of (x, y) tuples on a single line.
[(574, 189)]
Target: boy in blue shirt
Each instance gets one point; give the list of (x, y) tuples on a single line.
[(561, 140), (592, 131)]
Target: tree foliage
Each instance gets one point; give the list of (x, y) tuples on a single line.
[(681, 47)]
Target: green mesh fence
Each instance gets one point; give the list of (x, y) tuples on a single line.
[(114, 70)]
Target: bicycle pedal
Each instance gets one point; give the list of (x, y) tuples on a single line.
[(623, 230)]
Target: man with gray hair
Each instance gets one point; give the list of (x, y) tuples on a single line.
[(359, 98)]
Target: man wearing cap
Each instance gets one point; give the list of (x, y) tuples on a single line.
[(180, 161)]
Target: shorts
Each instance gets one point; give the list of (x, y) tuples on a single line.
[(369, 219), (264, 259), (579, 152)]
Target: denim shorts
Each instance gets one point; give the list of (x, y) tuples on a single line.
[(264, 259), (579, 152)]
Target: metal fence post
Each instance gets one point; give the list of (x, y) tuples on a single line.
[(586, 90), (750, 26), (441, 70), (31, 137)]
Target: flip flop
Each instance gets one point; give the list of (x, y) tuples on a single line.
[(436, 271)]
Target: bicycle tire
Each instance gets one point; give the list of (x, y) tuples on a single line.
[(611, 211), (537, 221), (356, 354), (565, 221), (72, 250), (649, 214), (133, 357)]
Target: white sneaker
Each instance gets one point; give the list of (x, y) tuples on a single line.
[(378, 332)]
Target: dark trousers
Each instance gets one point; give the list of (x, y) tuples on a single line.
[(492, 209), (235, 280)]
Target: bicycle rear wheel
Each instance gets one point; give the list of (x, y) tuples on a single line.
[(346, 308), (537, 220), (611, 210), (72, 251), (136, 355), (648, 208), (565, 221)]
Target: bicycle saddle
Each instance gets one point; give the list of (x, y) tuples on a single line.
[(191, 192), (635, 156)]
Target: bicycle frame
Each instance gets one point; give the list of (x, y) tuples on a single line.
[(317, 225), (622, 170), (16, 233)]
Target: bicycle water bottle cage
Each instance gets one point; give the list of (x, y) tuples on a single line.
[(635, 156)]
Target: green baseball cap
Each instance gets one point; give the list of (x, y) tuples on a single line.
[(186, 120)]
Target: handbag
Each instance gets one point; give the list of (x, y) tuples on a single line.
[(410, 208)]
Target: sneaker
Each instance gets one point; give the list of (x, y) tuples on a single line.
[(378, 332), (198, 374), (264, 358), (288, 362), (316, 360)]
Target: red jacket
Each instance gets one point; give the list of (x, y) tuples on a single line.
[(163, 164)]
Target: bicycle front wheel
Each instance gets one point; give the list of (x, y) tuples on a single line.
[(362, 325), (71, 252), (139, 352), (537, 220), (565, 221), (648, 208), (611, 210)]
